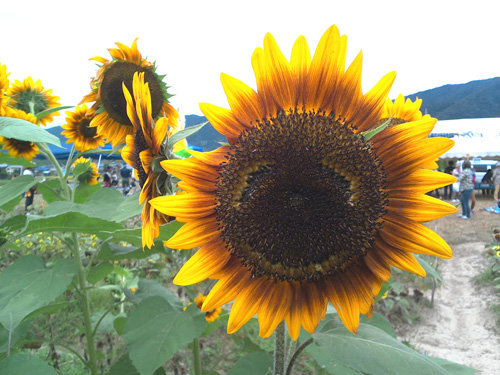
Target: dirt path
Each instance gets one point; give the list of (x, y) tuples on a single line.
[(461, 325)]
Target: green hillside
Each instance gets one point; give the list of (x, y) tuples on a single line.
[(476, 99)]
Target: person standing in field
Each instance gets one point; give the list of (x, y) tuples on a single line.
[(496, 180), (466, 189)]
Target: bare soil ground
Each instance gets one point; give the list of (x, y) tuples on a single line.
[(461, 326)]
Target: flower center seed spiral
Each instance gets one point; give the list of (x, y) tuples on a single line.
[(300, 197)]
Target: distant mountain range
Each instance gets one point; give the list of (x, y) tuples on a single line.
[(476, 99)]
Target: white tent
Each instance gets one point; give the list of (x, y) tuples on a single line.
[(478, 138)]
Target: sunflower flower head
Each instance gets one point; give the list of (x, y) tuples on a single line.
[(86, 170), (301, 209), (79, 132), (210, 316), (32, 97), (400, 111), (110, 107), (16, 147), (4, 85), (145, 149)]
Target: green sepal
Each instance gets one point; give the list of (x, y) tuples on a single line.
[(181, 134), (41, 114), (369, 134)]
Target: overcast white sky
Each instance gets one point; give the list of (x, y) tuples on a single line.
[(428, 43)]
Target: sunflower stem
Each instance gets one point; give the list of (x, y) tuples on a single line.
[(196, 357), (45, 150), (92, 363), (279, 349), (296, 354)]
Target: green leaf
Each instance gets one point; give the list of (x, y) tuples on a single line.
[(379, 321), (49, 309), (119, 324), (255, 363), (50, 190), (123, 366), (429, 269), (154, 332), (84, 191), (19, 333), (14, 188), (133, 236), (28, 285), (26, 131), (454, 368), (370, 351), (11, 160), (107, 204), (176, 137), (25, 364), (148, 288), (39, 115), (69, 222), (99, 272), (106, 324)]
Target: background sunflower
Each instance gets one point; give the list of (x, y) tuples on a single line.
[(142, 148), (78, 131), (31, 97), (110, 107), (15, 147)]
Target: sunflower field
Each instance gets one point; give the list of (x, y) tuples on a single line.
[(278, 253)]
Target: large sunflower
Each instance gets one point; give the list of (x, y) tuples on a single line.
[(143, 148), (301, 209), (78, 130), (110, 107), (4, 85), (15, 147), (31, 97)]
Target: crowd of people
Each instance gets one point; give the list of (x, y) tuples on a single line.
[(124, 174), (463, 190)]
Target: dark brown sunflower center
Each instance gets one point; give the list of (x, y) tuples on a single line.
[(85, 130), (21, 146), (140, 145), (112, 96), (300, 197)]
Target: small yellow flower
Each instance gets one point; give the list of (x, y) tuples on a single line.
[(133, 290), (498, 254), (211, 315), (385, 294)]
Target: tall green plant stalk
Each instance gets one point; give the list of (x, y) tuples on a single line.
[(196, 357), (82, 285), (279, 349), (82, 281)]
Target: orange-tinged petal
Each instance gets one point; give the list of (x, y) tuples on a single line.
[(192, 171), (190, 206), (223, 120), (246, 105), (204, 263), (409, 235), (194, 233)]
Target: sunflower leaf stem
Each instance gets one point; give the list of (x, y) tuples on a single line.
[(85, 305), (196, 357), (296, 354), (279, 349), (70, 160), (44, 150)]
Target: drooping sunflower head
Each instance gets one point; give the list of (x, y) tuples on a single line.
[(145, 146), (210, 316), (79, 132), (31, 97), (89, 173), (305, 206), (15, 147), (110, 105), (4, 85)]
